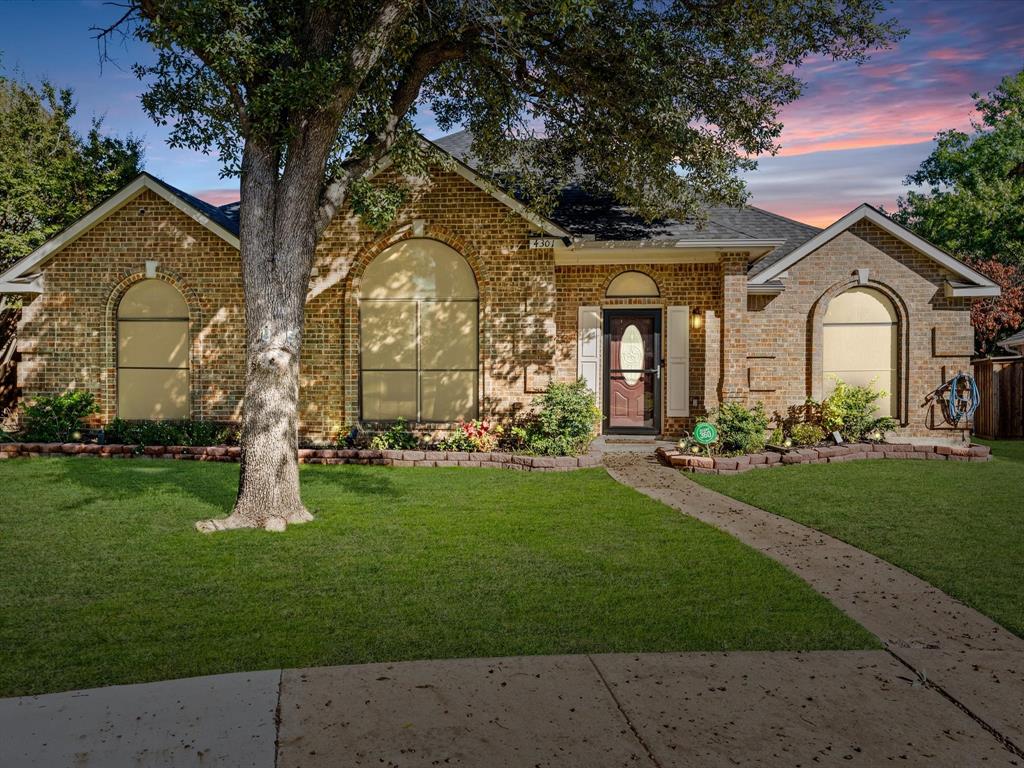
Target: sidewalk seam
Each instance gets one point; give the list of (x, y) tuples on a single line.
[(618, 706), (1004, 740), (277, 718)]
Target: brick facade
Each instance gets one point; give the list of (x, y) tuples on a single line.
[(935, 338), (748, 348)]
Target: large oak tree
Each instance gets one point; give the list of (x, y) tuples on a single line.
[(658, 103)]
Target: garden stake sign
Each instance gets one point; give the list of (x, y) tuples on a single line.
[(705, 434)]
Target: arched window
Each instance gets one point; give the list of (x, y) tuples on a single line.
[(152, 352), (860, 344), (418, 311), (631, 284)]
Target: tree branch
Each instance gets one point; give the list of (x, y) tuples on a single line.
[(423, 62), (150, 9)]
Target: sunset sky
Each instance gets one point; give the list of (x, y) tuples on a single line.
[(852, 137)]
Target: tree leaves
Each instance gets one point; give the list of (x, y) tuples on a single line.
[(659, 104), (49, 175), (974, 203)]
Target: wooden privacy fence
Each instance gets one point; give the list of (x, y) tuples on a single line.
[(8, 366), (1001, 384)]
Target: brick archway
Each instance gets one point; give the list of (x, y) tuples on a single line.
[(642, 269), (816, 332), (195, 324)]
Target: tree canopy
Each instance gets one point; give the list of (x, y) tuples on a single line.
[(659, 103), (49, 174), (973, 204), (973, 201)]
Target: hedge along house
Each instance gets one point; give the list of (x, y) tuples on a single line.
[(470, 305)]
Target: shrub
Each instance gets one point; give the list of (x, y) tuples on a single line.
[(564, 423), (352, 437), (850, 411), (741, 430), (190, 433), (807, 434), (57, 418), (396, 438), (515, 438), (473, 436)]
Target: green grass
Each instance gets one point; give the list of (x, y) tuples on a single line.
[(105, 581), (959, 526)]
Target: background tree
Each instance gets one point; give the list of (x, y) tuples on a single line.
[(996, 318), (49, 177), (659, 103), (973, 203), (49, 174)]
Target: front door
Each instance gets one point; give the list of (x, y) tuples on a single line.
[(632, 351)]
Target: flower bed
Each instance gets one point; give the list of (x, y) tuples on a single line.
[(731, 465), (309, 456)]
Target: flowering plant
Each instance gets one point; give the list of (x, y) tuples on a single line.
[(478, 436)]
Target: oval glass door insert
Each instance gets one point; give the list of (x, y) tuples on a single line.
[(631, 354)]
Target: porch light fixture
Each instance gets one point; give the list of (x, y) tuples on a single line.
[(696, 319)]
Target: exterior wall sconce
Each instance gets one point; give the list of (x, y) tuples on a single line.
[(696, 319)]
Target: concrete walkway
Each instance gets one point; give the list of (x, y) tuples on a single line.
[(961, 653), (948, 691), (652, 710)]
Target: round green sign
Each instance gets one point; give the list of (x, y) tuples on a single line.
[(705, 433)]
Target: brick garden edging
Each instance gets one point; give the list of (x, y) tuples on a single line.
[(733, 465), (494, 460)]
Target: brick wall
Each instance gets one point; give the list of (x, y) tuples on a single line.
[(783, 333), (68, 334), (756, 348)]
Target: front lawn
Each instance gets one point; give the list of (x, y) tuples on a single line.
[(105, 581), (959, 526)]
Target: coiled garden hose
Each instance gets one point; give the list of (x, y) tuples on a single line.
[(963, 397)]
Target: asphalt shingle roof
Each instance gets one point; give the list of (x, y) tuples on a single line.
[(226, 215), (585, 214)]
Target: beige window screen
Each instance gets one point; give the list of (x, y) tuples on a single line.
[(630, 284), (860, 344), (152, 353), (418, 331)]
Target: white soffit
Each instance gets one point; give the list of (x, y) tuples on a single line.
[(684, 252)]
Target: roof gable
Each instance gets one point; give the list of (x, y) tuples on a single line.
[(975, 283), (217, 220)]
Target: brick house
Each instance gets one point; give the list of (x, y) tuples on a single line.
[(470, 304)]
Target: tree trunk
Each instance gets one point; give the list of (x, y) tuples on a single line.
[(278, 241)]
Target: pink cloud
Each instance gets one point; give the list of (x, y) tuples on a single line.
[(217, 196), (811, 127), (954, 54)]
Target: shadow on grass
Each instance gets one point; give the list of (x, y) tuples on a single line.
[(215, 484)]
